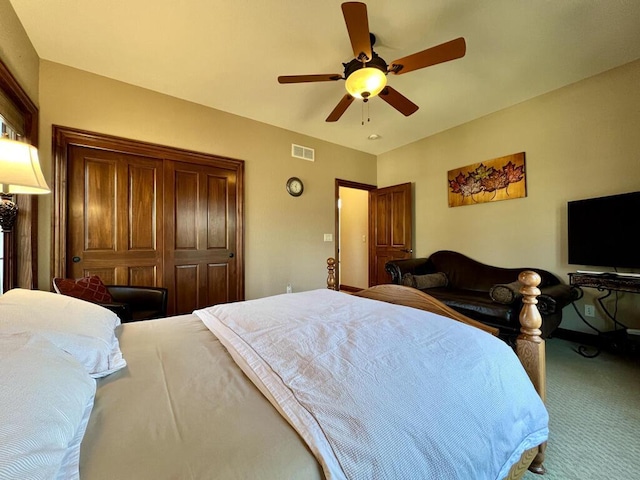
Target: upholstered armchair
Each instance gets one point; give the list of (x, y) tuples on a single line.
[(133, 303), (130, 303)]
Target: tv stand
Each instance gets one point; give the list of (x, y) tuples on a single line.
[(610, 281), (621, 338), (622, 274)]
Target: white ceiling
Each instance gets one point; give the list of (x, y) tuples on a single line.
[(228, 55)]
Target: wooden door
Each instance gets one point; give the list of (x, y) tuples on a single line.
[(202, 244), (138, 213), (114, 226), (391, 229)]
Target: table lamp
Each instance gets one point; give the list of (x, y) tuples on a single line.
[(20, 172)]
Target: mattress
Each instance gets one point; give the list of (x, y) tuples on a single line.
[(182, 409)]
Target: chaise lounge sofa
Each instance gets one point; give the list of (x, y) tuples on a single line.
[(483, 292)]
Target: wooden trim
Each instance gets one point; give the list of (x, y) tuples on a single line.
[(347, 288), (19, 97), (239, 167), (412, 297), (21, 264), (59, 206), (356, 185), (347, 184), (72, 136), (65, 137)]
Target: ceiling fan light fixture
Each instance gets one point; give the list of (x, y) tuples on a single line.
[(365, 75), (366, 82)]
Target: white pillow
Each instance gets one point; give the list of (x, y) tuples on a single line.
[(46, 398), (83, 329)]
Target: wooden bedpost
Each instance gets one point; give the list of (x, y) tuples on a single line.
[(331, 278), (530, 347)]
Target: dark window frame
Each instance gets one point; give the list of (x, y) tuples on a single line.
[(21, 261)]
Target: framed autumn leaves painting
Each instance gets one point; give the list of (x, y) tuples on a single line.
[(490, 181)]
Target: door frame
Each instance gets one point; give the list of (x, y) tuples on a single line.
[(348, 184), (64, 137)]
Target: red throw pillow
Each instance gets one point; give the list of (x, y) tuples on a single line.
[(88, 288)]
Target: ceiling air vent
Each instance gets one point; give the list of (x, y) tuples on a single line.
[(305, 153)]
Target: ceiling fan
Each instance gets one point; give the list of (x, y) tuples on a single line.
[(365, 75)]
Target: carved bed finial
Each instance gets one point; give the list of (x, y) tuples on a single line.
[(530, 319), (331, 278)]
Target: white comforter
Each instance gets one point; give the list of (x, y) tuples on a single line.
[(380, 391)]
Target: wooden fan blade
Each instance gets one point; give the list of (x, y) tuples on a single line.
[(340, 108), (431, 56), (398, 101), (355, 16), (309, 78)]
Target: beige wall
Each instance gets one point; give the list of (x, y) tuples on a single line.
[(283, 235), (580, 141), (354, 235), (16, 51)]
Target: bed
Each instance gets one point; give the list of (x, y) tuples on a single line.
[(202, 396)]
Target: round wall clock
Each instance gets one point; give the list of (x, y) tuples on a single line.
[(295, 186)]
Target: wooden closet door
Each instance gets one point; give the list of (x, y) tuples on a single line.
[(114, 203), (201, 215)]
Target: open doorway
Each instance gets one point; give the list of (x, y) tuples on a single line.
[(352, 235), (373, 227)]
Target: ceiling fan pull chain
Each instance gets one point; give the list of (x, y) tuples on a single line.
[(365, 102)]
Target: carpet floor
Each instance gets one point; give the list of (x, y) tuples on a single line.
[(594, 415)]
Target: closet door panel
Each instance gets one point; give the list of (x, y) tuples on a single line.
[(200, 224), (185, 298), (218, 283), (186, 208), (113, 228), (217, 209), (99, 197), (143, 193)]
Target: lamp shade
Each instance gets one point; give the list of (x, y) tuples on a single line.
[(366, 82), (20, 170)]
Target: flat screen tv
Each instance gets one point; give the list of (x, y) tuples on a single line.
[(602, 231)]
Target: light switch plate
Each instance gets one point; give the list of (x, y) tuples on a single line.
[(328, 237)]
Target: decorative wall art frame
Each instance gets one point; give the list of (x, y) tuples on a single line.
[(502, 178)]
